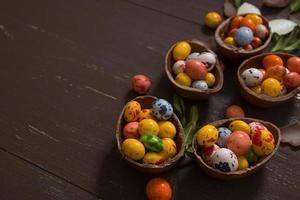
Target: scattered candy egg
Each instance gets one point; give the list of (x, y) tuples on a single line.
[(251, 156), (225, 160), (210, 79), (213, 19), (229, 41), (162, 109), (232, 33), (183, 79), (246, 22), (181, 50), (243, 163), (133, 149), (293, 64), (292, 80), (277, 72), (145, 114), (255, 18), (235, 23), (239, 142), (207, 136), (257, 89), (132, 110), (256, 42), (256, 127), (261, 31), (234, 111), (169, 148), (208, 59), (153, 158), (148, 126), (152, 142), (141, 84), (243, 36), (248, 47), (195, 69), (166, 129), (271, 87), (252, 77), (271, 61), (208, 152), (201, 85), (178, 67), (130, 130), (263, 143), (158, 189), (239, 125), (194, 55), (224, 133)]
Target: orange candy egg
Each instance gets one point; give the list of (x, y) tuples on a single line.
[(256, 42), (235, 23), (271, 61), (158, 189), (277, 72), (248, 23)]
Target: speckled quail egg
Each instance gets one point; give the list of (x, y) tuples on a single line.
[(252, 77), (162, 109), (225, 160)]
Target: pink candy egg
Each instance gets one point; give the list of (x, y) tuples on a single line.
[(195, 69), (239, 142), (130, 130), (141, 84)]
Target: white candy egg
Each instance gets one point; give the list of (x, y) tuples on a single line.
[(209, 59), (193, 56), (225, 160), (178, 67), (252, 77)]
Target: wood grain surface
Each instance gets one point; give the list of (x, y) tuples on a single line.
[(64, 78)]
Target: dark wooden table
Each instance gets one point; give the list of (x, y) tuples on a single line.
[(64, 77)]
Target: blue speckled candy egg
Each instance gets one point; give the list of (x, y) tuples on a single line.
[(224, 133), (162, 109), (243, 36), (201, 85)]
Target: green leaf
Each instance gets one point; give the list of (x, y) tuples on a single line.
[(182, 105), (279, 44), (190, 131), (238, 3), (176, 105), (282, 41), (295, 6), (194, 114), (293, 47)]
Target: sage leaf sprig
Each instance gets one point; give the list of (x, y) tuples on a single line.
[(190, 129), (238, 3), (179, 108), (295, 6), (289, 43)]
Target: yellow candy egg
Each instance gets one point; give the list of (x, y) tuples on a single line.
[(133, 149), (210, 79), (213, 19), (255, 18), (239, 125), (153, 158), (271, 87), (145, 114), (169, 148), (207, 136), (243, 162), (148, 126), (166, 129), (256, 89), (229, 41), (181, 50), (263, 142), (132, 110), (183, 79)]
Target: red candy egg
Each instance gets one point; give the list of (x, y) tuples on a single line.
[(195, 69), (232, 32), (239, 142), (292, 80), (293, 64), (256, 42), (141, 84), (130, 130), (235, 23)]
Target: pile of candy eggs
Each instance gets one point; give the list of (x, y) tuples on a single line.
[(275, 78), (248, 32), (193, 69), (148, 135), (236, 147)]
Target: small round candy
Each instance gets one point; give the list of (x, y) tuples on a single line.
[(251, 156), (257, 89), (239, 142), (153, 158), (239, 125), (207, 136), (201, 85), (148, 126), (130, 130), (224, 133), (232, 32), (255, 18), (271, 87), (141, 84), (277, 72), (166, 129), (208, 152), (162, 109), (293, 64), (152, 142), (158, 189), (210, 79), (256, 42), (183, 79), (235, 23), (181, 50), (212, 19), (234, 111), (169, 148), (132, 110), (145, 114), (243, 36), (133, 149), (248, 47), (208, 59), (195, 69), (178, 67), (252, 77), (261, 31), (291, 80), (229, 41), (271, 61), (263, 143), (246, 22), (243, 162)]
